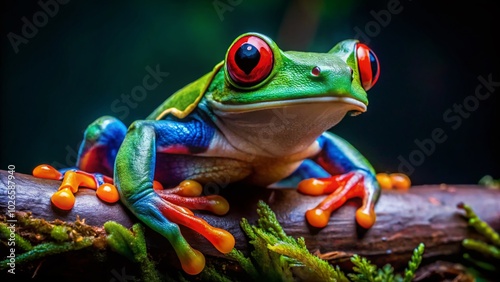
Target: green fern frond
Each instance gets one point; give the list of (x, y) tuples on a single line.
[(267, 221), (131, 244), (414, 263), (386, 274), (481, 247), (279, 257), (245, 263), (481, 227), (365, 270), (489, 251), (320, 268), (266, 264), (210, 274)]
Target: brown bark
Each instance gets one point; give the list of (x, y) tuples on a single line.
[(425, 214)]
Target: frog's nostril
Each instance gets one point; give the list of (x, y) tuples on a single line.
[(316, 71), (352, 74)]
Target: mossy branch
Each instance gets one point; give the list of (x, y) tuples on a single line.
[(436, 213)]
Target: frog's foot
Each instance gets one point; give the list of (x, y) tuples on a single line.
[(341, 188), (397, 181), (165, 209), (187, 195), (72, 179)]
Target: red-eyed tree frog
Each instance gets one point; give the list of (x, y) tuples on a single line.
[(260, 116)]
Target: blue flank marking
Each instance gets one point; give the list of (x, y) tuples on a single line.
[(194, 134)]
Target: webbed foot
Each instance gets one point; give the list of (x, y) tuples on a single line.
[(163, 210), (72, 180), (358, 183)]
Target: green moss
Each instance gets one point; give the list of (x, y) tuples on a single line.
[(132, 245), (363, 268), (47, 249), (279, 257), (60, 233), (120, 239), (5, 232), (365, 271), (245, 263), (414, 262), (57, 237), (210, 274)]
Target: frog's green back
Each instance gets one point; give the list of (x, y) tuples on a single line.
[(184, 101)]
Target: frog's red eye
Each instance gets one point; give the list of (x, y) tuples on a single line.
[(369, 68), (249, 60)]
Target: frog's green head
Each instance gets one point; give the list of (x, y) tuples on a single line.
[(302, 93)]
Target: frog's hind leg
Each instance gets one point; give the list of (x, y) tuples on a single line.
[(95, 163)]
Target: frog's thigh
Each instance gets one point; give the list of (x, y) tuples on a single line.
[(308, 169), (102, 138)]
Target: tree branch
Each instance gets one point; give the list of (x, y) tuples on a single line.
[(425, 214)]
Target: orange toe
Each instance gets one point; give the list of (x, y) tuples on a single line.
[(318, 217), (63, 199), (46, 171), (108, 193)]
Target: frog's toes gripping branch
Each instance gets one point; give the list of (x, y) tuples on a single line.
[(355, 184), (187, 195), (177, 206), (163, 210), (72, 179), (340, 189)]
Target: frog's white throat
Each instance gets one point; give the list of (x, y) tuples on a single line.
[(281, 128)]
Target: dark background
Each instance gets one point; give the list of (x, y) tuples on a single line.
[(76, 66)]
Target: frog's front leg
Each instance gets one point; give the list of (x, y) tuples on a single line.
[(162, 211), (352, 176)]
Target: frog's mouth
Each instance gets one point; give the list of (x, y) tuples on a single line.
[(280, 128), (357, 106)]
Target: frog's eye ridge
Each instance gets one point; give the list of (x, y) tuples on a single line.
[(368, 65), (249, 61)]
